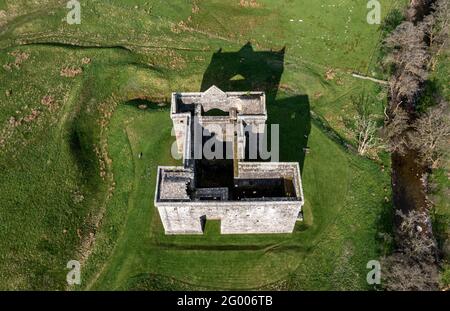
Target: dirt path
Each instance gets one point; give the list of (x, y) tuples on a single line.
[(370, 79)]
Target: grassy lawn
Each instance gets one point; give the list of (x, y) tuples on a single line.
[(338, 229), (440, 178), (72, 186)]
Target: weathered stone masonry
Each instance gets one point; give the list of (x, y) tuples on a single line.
[(247, 197)]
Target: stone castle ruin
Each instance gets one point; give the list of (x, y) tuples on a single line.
[(245, 194)]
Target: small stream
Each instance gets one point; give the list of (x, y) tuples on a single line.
[(407, 186)]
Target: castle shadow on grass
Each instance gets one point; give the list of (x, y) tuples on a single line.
[(250, 70)]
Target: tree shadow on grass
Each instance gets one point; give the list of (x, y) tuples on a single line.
[(145, 104), (384, 233), (80, 141)]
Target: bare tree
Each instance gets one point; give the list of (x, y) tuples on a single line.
[(409, 57), (431, 135), (436, 27), (395, 130), (414, 236), (417, 9), (401, 273), (366, 125), (436, 24), (414, 265), (367, 129)]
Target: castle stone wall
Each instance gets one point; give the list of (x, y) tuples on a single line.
[(236, 217), (183, 208)]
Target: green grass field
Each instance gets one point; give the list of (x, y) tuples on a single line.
[(73, 187), (323, 252)]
